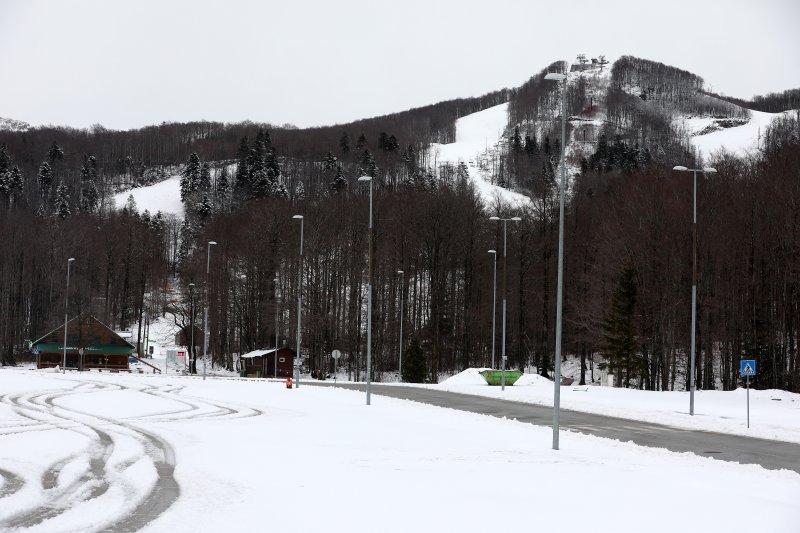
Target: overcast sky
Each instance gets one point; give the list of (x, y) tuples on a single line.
[(126, 64)]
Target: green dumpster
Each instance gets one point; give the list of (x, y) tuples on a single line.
[(495, 377)]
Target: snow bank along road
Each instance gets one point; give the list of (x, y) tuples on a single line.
[(767, 453), (79, 461)]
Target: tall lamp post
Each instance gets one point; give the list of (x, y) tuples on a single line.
[(402, 282), (706, 170), (277, 308), (205, 321), (297, 359), (369, 293), (560, 294), (494, 300), (505, 285), (192, 360), (66, 313)]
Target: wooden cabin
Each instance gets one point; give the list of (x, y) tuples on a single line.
[(261, 363), (90, 344), (184, 336)]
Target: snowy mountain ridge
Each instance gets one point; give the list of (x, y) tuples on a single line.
[(10, 124), (481, 138)]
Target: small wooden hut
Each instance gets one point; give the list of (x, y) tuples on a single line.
[(90, 344), (261, 363)]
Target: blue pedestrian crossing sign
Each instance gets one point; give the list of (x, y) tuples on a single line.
[(747, 367)]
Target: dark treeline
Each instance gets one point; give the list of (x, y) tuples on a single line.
[(769, 103), (137, 157), (635, 220), (121, 265), (671, 88)]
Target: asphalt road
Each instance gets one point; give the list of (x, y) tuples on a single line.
[(767, 453)]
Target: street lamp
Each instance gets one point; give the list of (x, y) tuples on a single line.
[(494, 300), (553, 76), (694, 171), (505, 284), (205, 322), (66, 312), (297, 359), (369, 292), (193, 361), (402, 282), (277, 306)]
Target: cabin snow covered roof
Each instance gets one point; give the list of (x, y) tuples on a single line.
[(258, 353)]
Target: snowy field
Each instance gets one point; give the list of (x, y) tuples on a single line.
[(774, 414), (82, 452), (164, 196)]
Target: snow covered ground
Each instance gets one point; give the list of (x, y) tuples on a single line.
[(741, 140), (82, 451), (164, 196), (477, 137), (774, 414)]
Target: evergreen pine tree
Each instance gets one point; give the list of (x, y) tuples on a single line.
[(368, 166), (5, 160), (242, 176), (361, 142), (15, 183), (260, 185), (299, 191), (187, 238), (62, 210), (204, 178), (89, 197), (415, 366), (516, 141), (271, 162), (222, 187), (130, 205), (5, 188), (55, 153), (190, 177), (338, 184), (330, 162), (203, 208), (282, 191), (619, 345), (45, 178), (344, 143), (157, 222), (272, 181)]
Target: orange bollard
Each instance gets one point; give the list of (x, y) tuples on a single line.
[(288, 383)]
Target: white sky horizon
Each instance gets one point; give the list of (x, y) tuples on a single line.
[(129, 64)]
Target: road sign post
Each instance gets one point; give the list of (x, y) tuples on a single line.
[(747, 368), (336, 354)]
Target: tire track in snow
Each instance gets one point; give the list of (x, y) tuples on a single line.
[(12, 483), (44, 413), (94, 481)]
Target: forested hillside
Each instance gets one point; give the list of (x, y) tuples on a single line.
[(628, 233)]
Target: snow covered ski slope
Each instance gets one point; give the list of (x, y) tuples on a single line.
[(164, 196), (741, 141), (478, 138)]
